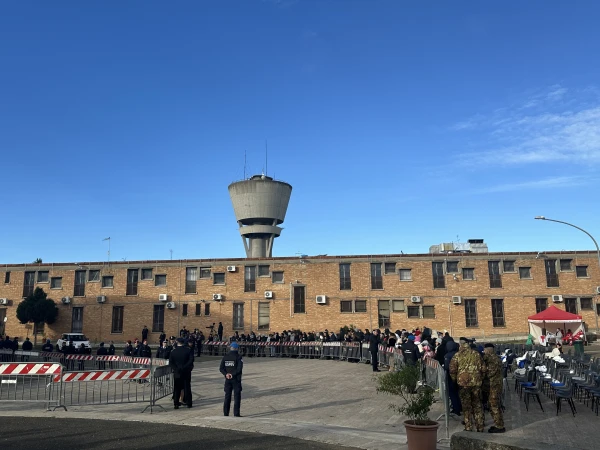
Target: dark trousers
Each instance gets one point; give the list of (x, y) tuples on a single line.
[(375, 360), (183, 383), (453, 394), (236, 387)]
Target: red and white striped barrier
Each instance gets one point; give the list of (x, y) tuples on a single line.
[(80, 357), (30, 369), (108, 358), (52, 354), (104, 375)]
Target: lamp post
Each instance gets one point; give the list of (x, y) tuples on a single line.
[(595, 243)]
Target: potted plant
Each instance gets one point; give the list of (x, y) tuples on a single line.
[(421, 432)]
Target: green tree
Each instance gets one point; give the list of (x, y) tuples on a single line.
[(38, 261), (37, 308)]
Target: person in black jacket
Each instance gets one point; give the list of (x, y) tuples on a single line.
[(128, 351), (101, 352), (451, 349), (145, 333), (374, 342), (47, 347), (181, 362), (111, 348), (145, 350), (27, 345), (410, 351), (220, 331), (231, 367)]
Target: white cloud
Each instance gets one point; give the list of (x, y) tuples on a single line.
[(558, 125), (546, 183)]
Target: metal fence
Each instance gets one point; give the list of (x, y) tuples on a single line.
[(30, 383)]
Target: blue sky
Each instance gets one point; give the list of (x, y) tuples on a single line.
[(399, 124)]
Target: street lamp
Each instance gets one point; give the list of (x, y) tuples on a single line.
[(591, 237)]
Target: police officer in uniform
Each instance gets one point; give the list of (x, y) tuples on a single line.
[(181, 360), (493, 385), (231, 368)]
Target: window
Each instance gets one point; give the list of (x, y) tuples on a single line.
[(107, 281), (428, 312), (437, 269), (494, 271), (204, 272), (471, 313), (28, 284), (7, 277), (566, 265), (79, 286), (56, 283), (184, 309), (146, 274), (376, 278), (132, 281), (586, 303), (264, 315), (39, 328), (551, 275), (117, 319), (94, 275), (541, 304), (160, 280), (250, 279), (383, 313), (277, 277), (390, 268), (191, 275), (238, 316), (508, 266), (299, 300), (525, 273), (346, 306), (207, 309), (581, 271), (452, 266), (468, 273), (345, 281), (198, 309), (263, 270), (77, 320), (42, 276), (413, 312), (158, 318), (405, 274), (360, 306), (219, 278), (398, 305), (497, 312), (571, 305)]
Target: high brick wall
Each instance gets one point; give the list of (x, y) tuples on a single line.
[(320, 276)]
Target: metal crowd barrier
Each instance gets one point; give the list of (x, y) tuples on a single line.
[(31, 382)]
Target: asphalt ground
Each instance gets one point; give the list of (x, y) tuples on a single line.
[(18, 433)]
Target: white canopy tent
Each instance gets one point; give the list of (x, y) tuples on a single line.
[(554, 318)]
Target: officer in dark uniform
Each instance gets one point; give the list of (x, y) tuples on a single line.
[(374, 341), (181, 360), (231, 368)]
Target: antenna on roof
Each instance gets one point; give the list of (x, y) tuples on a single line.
[(266, 158), (244, 164)]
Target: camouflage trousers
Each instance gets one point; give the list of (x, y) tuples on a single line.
[(495, 406), (470, 399)]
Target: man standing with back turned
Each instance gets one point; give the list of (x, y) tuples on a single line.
[(231, 367), (181, 360)]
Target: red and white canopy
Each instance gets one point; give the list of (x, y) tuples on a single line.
[(555, 315)]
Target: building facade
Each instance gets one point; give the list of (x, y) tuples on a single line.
[(474, 294)]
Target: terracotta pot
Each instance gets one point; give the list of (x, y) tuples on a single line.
[(421, 437)]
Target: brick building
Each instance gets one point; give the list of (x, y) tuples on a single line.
[(475, 294)]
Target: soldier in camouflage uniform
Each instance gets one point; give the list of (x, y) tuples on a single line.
[(493, 380), (466, 369)]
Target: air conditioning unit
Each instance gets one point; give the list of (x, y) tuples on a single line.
[(101, 299), (171, 305), (415, 299), (456, 299), (3, 301), (321, 299), (230, 268), (597, 289), (162, 297), (217, 297), (557, 298), (66, 300), (268, 294)]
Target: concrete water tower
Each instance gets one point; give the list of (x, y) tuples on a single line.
[(260, 204)]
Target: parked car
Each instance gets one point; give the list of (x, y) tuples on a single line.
[(77, 338)]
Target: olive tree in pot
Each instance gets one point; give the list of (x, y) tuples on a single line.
[(421, 432)]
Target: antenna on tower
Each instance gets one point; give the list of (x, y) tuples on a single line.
[(244, 164), (266, 158)]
